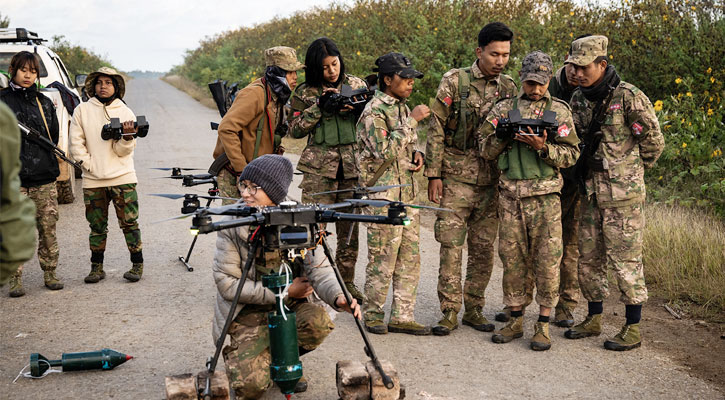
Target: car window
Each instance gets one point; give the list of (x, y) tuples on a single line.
[(64, 72), (61, 72), (5, 63)]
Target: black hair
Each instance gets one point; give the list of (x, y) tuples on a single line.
[(21, 59), (571, 47), (316, 53), (494, 32), (116, 88), (599, 59), (381, 80)]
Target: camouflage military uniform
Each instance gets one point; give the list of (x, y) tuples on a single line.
[(469, 185), (45, 198), (387, 131), (529, 208), (328, 166), (612, 215), (125, 201)]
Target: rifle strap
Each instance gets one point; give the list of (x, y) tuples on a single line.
[(42, 113), (260, 126), (464, 88), (380, 172)]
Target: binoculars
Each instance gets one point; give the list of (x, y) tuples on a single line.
[(114, 129), (507, 128)]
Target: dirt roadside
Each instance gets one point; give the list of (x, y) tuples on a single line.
[(165, 319)]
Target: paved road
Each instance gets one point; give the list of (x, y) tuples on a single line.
[(164, 320)]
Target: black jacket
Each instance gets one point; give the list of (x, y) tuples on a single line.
[(39, 164)]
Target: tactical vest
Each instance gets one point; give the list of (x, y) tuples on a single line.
[(335, 129), (520, 161), (459, 138)]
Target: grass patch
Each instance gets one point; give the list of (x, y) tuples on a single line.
[(187, 86), (684, 257)]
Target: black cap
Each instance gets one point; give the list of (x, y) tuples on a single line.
[(396, 63)]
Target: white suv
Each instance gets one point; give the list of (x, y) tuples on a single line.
[(51, 70)]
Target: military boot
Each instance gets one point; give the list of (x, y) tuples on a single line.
[(627, 339), (563, 317), (591, 326), (377, 327), (301, 385), (134, 274), (354, 292), (541, 340), (410, 327), (513, 330), (51, 281), (475, 319), (96, 273), (447, 324), (16, 285)]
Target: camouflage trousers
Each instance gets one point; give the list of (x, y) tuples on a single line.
[(125, 201), (227, 184), (530, 246), (393, 254), (45, 198), (611, 238), (247, 357), (569, 270), (345, 255), (475, 219)]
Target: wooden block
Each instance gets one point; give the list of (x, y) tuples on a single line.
[(219, 384), (181, 387), (353, 380), (378, 391)]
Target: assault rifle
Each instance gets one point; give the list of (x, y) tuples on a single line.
[(35, 136)]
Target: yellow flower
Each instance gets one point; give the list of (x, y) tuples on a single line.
[(664, 18), (418, 26), (299, 30), (693, 8), (435, 29), (684, 145), (612, 21), (710, 98), (688, 94), (330, 24), (658, 105), (358, 52), (709, 70), (712, 79), (344, 24), (678, 81), (332, 17), (571, 13), (611, 57), (660, 178), (667, 127), (571, 34), (634, 42), (710, 112), (558, 40), (682, 121), (679, 96)]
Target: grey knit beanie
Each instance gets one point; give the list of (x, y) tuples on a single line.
[(272, 172)]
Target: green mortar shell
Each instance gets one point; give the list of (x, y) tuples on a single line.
[(274, 281), (103, 359), (286, 368)]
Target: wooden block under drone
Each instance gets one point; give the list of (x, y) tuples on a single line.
[(378, 391), (353, 380), (219, 384)]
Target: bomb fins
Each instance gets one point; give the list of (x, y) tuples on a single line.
[(103, 359)]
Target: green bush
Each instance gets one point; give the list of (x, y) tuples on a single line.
[(77, 59)]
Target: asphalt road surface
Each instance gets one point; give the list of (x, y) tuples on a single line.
[(164, 320)]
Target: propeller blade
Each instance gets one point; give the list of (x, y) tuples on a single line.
[(428, 207), (376, 189), (180, 196), (333, 191), (372, 189), (172, 218), (170, 169), (374, 203), (168, 195)]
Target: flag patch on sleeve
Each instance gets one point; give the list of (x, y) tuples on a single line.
[(448, 101), (563, 131), (615, 107), (296, 113), (637, 129), (494, 122)]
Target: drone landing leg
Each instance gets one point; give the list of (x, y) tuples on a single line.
[(185, 261), (368, 346)]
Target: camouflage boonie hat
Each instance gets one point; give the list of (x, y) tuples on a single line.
[(538, 67), (396, 63), (585, 50), (91, 81), (283, 57)]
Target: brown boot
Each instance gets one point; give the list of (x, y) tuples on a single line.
[(51, 281), (134, 274), (96, 273), (513, 330), (541, 340), (16, 285)]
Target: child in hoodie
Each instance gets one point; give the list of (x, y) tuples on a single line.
[(108, 171)]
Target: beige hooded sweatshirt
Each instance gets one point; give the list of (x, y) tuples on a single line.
[(105, 162)]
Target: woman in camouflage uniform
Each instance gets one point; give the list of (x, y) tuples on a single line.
[(328, 161)]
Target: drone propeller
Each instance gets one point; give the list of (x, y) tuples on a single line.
[(362, 190), (172, 218), (198, 176), (176, 168), (383, 203), (175, 196)]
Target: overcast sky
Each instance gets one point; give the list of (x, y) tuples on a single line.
[(144, 34)]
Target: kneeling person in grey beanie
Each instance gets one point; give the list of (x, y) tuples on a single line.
[(263, 183)]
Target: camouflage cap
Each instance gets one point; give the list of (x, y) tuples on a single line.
[(283, 57), (396, 63), (538, 67), (585, 50), (91, 81)]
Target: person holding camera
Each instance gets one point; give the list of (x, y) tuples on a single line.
[(328, 161), (108, 169), (254, 124), (389, 153), (39, 166), (622, 138), (265, 182), (529, 184)]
